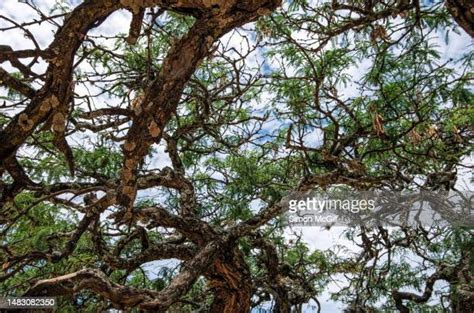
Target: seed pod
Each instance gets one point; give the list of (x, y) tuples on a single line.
[(457, 135), (356, 166), (377, 124), (378, 32), (137, 104), (432, 132), (415, 138), (5, 266)]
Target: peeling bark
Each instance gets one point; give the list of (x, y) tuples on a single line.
[(162, 98), (231, 283), (206, 250)]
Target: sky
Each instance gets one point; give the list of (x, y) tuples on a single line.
[(118, 22)]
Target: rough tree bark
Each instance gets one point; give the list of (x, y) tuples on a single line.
[(463, 13), (230, 279), (228, 273), (208, 253)]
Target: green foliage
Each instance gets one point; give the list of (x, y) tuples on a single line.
[(317, 91)]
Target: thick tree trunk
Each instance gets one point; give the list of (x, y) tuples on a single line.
[(230, 279)]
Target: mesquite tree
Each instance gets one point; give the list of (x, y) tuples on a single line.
[(179, 139)]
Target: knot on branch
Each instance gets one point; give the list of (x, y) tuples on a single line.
[(25, 122)]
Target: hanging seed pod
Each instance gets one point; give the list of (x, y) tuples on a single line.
[(378, 32), (356, 166), (432, 132), (377, 124), (414, 137), (457, 135), (137, 104)]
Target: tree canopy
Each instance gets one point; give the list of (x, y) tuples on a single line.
[(146, 170)]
